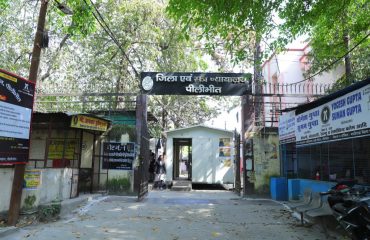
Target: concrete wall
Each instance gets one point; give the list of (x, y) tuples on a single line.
[(207, 165), (266, 159), (6, 180), (55, 185)]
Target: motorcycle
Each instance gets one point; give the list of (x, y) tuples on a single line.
[(351, 208)]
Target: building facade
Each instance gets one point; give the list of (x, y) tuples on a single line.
[(283, 85)]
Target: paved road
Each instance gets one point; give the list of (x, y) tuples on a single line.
[(174, 216)]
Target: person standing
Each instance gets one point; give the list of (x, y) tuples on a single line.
[(160, 173), (151, 166)]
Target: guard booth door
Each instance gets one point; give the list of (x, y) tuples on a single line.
[(182, 159)]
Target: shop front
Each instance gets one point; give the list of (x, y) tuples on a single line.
[(329, 139)]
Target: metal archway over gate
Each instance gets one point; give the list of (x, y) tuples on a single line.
[(188, 83), (232, 84), (192, 83)]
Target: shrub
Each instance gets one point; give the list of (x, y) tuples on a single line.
[(49, 212), (117, 185)]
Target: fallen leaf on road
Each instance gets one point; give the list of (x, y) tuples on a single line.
[(216, 234), (77, 234)]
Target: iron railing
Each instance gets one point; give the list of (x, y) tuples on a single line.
[(84, 102), (292, 89)]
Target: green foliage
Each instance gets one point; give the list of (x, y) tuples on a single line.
[(181, 111), (118, 130), (29, 202), (49, 212), (82, 58), (326, 23), (83, 21), (3, 5), (118, 185), (17, 31), (239, 24)]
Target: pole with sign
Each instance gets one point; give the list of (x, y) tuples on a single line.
[(15, 200), (16, 105)]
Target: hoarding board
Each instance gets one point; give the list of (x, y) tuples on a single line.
[(119, 156), (193, 83), (287, 127), (16, 103), (342, 118), (32, 179)]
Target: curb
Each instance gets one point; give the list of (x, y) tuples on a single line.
[(69, 205), (7, 231)]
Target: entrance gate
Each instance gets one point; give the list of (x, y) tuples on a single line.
[(142, 141), (167, 83), (232, 84)]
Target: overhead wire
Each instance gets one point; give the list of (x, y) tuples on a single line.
[(334, 62), (100, 19)]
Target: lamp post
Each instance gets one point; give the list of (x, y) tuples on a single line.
[(19, 169)]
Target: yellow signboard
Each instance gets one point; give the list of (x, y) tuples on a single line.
[(32, 179), (8, 77), (86, 122), (56, 149)]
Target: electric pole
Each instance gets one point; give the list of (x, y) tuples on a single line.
[(19, 169)]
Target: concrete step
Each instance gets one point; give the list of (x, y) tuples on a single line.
[(181, 185)]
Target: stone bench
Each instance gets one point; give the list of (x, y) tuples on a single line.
[(307, 198), (315, 203)]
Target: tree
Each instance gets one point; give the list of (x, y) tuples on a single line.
[(77, 63), (17, 31), (334, 29), (240, 24)]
